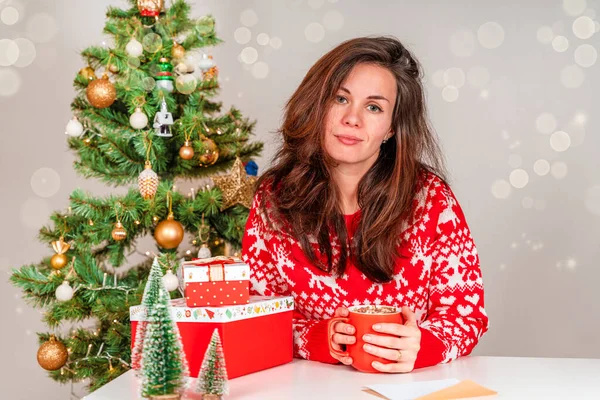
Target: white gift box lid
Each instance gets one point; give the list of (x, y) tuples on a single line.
[(200, 271)]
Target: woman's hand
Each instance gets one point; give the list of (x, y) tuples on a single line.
[(402, 347), (343, 335)]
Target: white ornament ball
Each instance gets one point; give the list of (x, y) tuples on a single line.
[(204, 252), (74, 128), (170, 281), (64, 292), (205, 63), (134, 48), (165, 85), (181, 69), (138, 119)]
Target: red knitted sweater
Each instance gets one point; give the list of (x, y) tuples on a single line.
[(437, 275)]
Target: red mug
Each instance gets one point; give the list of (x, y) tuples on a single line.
[(363, 323)]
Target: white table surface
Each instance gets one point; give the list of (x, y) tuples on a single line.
[(511, 377)]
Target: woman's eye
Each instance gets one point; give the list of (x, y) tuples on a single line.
[(340, 99), (374, 108)]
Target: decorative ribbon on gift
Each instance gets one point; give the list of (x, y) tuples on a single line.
[(215, 269), (216, 273)]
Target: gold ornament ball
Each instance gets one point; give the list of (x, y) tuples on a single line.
[(210, 154), (52, 355), (101, 93), (178, 52), (58, 261), (113, 68), (119, 233), (88, 73), (186, 151), (168, 233)]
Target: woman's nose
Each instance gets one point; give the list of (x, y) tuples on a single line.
[(351, 118)]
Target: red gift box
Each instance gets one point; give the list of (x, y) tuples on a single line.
[(216, 281), (254, 336)]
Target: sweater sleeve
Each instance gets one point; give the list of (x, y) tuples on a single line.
[(456, 317), (264, 253)]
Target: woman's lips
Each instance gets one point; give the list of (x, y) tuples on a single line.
[(348, 140)]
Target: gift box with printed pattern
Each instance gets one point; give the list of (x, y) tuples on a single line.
[(255, 336), (216, 281)]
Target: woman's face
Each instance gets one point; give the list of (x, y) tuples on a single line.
[(360, 116)]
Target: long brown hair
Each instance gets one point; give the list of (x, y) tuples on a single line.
[(301, 190)]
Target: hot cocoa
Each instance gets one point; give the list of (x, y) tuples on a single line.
[(373, 309)]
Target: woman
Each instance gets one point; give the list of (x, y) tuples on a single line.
[(355, 210)]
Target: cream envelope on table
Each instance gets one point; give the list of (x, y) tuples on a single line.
[(463, 390)]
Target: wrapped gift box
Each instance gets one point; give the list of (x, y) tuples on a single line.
[(216, 281), (255, 336)]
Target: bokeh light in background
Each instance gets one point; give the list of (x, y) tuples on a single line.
[(559, 169), (490, 35), (9, 15), (501, 189), (314, 32), (45, 182), (41, 28)]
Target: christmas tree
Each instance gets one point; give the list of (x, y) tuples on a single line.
[(143, 117), (163, 364), (149, 300), (212, 379)]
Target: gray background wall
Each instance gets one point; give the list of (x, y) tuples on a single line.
[(512, 90)]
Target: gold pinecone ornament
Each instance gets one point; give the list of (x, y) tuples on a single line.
[(148, 182)]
